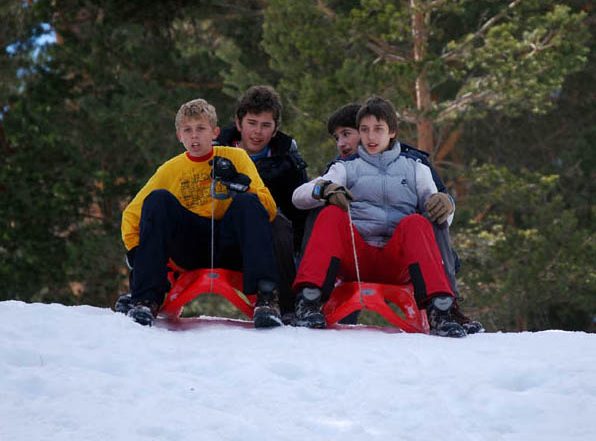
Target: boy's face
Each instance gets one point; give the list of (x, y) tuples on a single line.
[(374, 134), (256, 130), (196, 134), (346, 141)]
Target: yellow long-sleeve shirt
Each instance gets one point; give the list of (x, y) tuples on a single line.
[(190, 181)]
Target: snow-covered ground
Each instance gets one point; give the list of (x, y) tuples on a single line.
[(83, 373)]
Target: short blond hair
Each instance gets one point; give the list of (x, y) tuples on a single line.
[(198, 108)]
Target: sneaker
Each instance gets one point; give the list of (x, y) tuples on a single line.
[(266, 313), (144, 312), (308, 308), (440, 319), (124, 303), (471, 326)]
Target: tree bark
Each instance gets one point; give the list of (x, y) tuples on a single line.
[(449, 144), (424, 125), (4, 144)]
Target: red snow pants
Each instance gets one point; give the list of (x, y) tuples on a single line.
[(411, 255)]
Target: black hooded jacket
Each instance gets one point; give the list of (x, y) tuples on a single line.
[(282, 172)]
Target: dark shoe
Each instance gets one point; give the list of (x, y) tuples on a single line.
[(124, 303), (440, 319), (471, 326), (308, 308), (266, 313), (144, 312), (288, 318)]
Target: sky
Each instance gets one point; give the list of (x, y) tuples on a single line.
[(85, 373)]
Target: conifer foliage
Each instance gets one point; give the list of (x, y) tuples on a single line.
[(499, 92)]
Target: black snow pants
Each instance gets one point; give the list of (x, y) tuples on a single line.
[(242, 241)]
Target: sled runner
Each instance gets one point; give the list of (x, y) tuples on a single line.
[(345, 298)]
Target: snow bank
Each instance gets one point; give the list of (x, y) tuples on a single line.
[(84, 373)]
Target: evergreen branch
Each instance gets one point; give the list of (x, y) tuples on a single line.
[(460, 104), (385, 51), (326, 10), (216, 85), (453, 54), (546, 43), (407, 116), (435, 4)]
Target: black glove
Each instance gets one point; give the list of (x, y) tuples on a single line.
[(224, 171)]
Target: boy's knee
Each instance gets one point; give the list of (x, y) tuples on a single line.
[(159, 197), (332, 210), (332, 213), (415, 220), (158, 202), (247, 202), (282, 226), (245, 198)]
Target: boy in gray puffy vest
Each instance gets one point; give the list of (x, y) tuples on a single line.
[(342, 126), (384, 191)]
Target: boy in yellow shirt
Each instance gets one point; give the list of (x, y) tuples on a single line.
[(171, 218)]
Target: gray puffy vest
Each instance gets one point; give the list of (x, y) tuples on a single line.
[(384, 190)]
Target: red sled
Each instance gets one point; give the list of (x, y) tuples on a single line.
[(345, 298)]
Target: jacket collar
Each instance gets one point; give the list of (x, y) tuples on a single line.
[(280, 144), (382, 159)]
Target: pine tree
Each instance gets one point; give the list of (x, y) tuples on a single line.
[(87, 121), (442, 63)]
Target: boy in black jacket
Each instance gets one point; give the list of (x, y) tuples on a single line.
[(282, 169)]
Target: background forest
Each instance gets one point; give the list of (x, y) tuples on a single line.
[(501, 93)]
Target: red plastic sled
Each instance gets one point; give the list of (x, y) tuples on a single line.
[(188, 285), (349, 297), (345, 298)]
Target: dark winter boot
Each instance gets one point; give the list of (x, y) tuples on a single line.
[(308, 308), (440, 319), (288, 318), (124, 303), (266, 313), (471, 326), (143, 312)]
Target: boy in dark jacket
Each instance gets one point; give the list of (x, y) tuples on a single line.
[(282, 169)]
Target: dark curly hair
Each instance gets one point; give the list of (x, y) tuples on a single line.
[(345, 116), (259, 99)]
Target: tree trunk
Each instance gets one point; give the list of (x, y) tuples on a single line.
[(424, 125), (4, 144), (449, 144)]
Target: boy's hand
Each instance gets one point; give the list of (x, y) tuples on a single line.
[(339, 195), (439, 207)]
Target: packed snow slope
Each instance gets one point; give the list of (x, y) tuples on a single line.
[(84, 373)]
